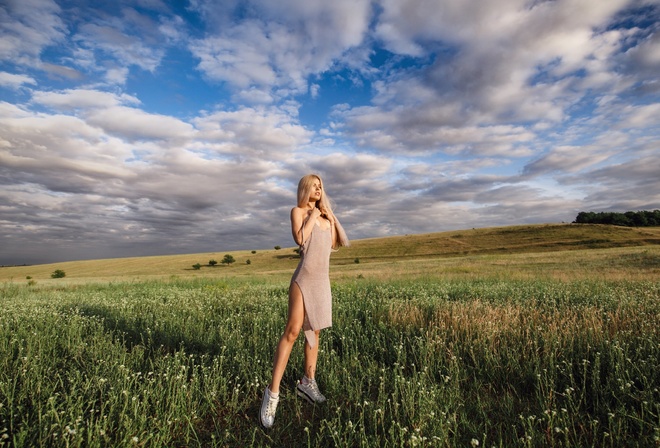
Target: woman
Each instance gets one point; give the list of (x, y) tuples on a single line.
[(317, 231)]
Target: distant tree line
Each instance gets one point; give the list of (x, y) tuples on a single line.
[(628, 219)]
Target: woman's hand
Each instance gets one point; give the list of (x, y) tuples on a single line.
[(314, 213)]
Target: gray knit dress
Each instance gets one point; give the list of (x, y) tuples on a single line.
[(313, 278)]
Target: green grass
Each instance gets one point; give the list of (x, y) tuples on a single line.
[(505, 362), (521, 336)]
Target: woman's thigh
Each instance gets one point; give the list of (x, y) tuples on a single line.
[(296, 314)]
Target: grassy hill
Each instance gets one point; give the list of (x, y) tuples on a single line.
[(546, 250)]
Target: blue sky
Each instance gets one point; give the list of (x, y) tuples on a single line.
[(148, 127)]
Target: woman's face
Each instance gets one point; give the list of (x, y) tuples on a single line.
[(316, 191)]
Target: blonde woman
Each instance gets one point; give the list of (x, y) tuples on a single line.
[(317, 231)]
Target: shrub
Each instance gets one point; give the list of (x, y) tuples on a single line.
[(212, 262), (58, 273), (229, 259), (254, 251), (277, 247), (197, 266), (248, 261), (357, 261)]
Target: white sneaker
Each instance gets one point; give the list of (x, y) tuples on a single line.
[(268, 408), (310, 392)]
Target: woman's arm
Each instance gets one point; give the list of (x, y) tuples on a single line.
[(333, 231), (302, 223)]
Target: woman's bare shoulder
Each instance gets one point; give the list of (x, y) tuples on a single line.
[(297, 212)]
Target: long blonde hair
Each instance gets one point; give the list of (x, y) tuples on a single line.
[(305, 186)]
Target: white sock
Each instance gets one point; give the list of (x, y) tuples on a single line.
[(273, 394)]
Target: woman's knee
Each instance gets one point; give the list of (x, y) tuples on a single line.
[(291, 333)]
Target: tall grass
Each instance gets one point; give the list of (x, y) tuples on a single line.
[(427, 363)]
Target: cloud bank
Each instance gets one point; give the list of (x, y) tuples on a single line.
[(151, 127)]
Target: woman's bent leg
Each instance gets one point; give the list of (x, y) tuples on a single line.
[(291, 331), (311, 355), (307, 387)]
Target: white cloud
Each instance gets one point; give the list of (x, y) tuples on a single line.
[(281, 45), (27, 27), (253, 132), (82, 99), (567, 159), (135, 124), (640, 117), (497, 51), (61, 72), (125, 48), (432, 128), (241, 60), (14, 81)]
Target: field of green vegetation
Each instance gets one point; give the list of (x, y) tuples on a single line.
[(531, 349)]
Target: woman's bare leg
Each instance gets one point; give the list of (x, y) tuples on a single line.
[(311, 355), (291, 331)]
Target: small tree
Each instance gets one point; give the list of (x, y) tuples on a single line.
[(248, 261), (197, 266), (254, 251), (357, 261), (229, 259), (212, 262), (277, 247), (58, 273)]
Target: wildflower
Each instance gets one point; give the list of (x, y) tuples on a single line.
[(474, 442)]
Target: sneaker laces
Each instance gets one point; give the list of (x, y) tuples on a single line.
[(314, 387), (271, 407)]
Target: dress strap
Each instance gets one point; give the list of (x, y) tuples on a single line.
[(302, 231)]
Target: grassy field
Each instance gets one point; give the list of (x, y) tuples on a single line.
[(543, 343), (533, 250)]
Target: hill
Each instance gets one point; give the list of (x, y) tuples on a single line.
[(559, 250)]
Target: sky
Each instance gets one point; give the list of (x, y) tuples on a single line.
[(132, 128)]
